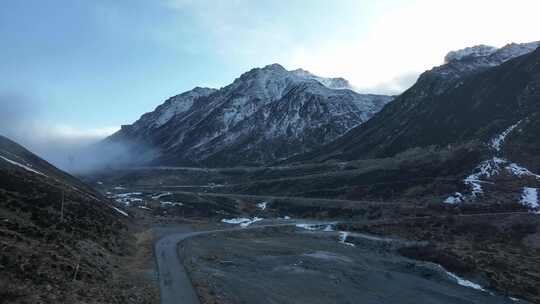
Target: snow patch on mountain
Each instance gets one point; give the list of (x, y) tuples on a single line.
[(262, 205), (497, 142), (455, 198), (520, 171), (474, 51), (529, 198), (343, 235), (460, 63), (120, 211), (461, 281), (244, 222), (494, 56), (160, 195), (27, 168), (266, 114), (483, 172), (172, 107), (513, 50), (337, 83), (486, 169), (174, 204), (491, 168)]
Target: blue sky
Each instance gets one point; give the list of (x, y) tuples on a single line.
[(99, 64), (82, 68)]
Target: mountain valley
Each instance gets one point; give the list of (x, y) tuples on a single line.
[(287, 187)]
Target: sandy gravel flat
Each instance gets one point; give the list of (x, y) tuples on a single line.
[(291, 265)]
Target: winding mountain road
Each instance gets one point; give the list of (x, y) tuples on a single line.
[(174, 282)]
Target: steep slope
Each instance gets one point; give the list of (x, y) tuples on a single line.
[(265, 115), (474, 96), (57, 236)]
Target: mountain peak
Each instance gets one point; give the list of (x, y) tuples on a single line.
[(472, 60), (274, 67), (202, 90), (481, 50), (513, 50), (337, 83), (493, 54), (266, 114), (302, 73)]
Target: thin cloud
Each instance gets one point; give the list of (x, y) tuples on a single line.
[(21, 120), (415, 37)]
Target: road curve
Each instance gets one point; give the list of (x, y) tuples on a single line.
[(174, 283)]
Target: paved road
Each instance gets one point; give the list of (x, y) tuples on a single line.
[(174, 283)]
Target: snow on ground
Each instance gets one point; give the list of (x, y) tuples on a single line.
[(529, 198), (262, 205), (124, 195), (27, 168), (461, 281), (497, 142), (343, 238), (485, 169), (514, 299), (120, 211), (454, 198), (126, 198), (308, 226), (127, 201), (519, 171), (328, 228), (161, 195), (324, 227), (171, 204), (476, 51), (244, 222), (488, 169)]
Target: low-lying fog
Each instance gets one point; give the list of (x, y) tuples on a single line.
[(70, 149)]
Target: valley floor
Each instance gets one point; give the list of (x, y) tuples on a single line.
[(367, 252), (295, 265)]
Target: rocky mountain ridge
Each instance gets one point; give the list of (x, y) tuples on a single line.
[(265, 115), (460, 101)]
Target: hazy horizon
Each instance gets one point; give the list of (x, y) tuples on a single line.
[(74, 71)]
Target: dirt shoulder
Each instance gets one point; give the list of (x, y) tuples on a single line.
[(501, 251), (136, 276)]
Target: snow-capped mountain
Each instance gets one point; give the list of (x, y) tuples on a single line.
[(489, 55), (172, 107), (332, 83), (265, 115), (477, 94), (485, 114), (474, 51), (470, 60)]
